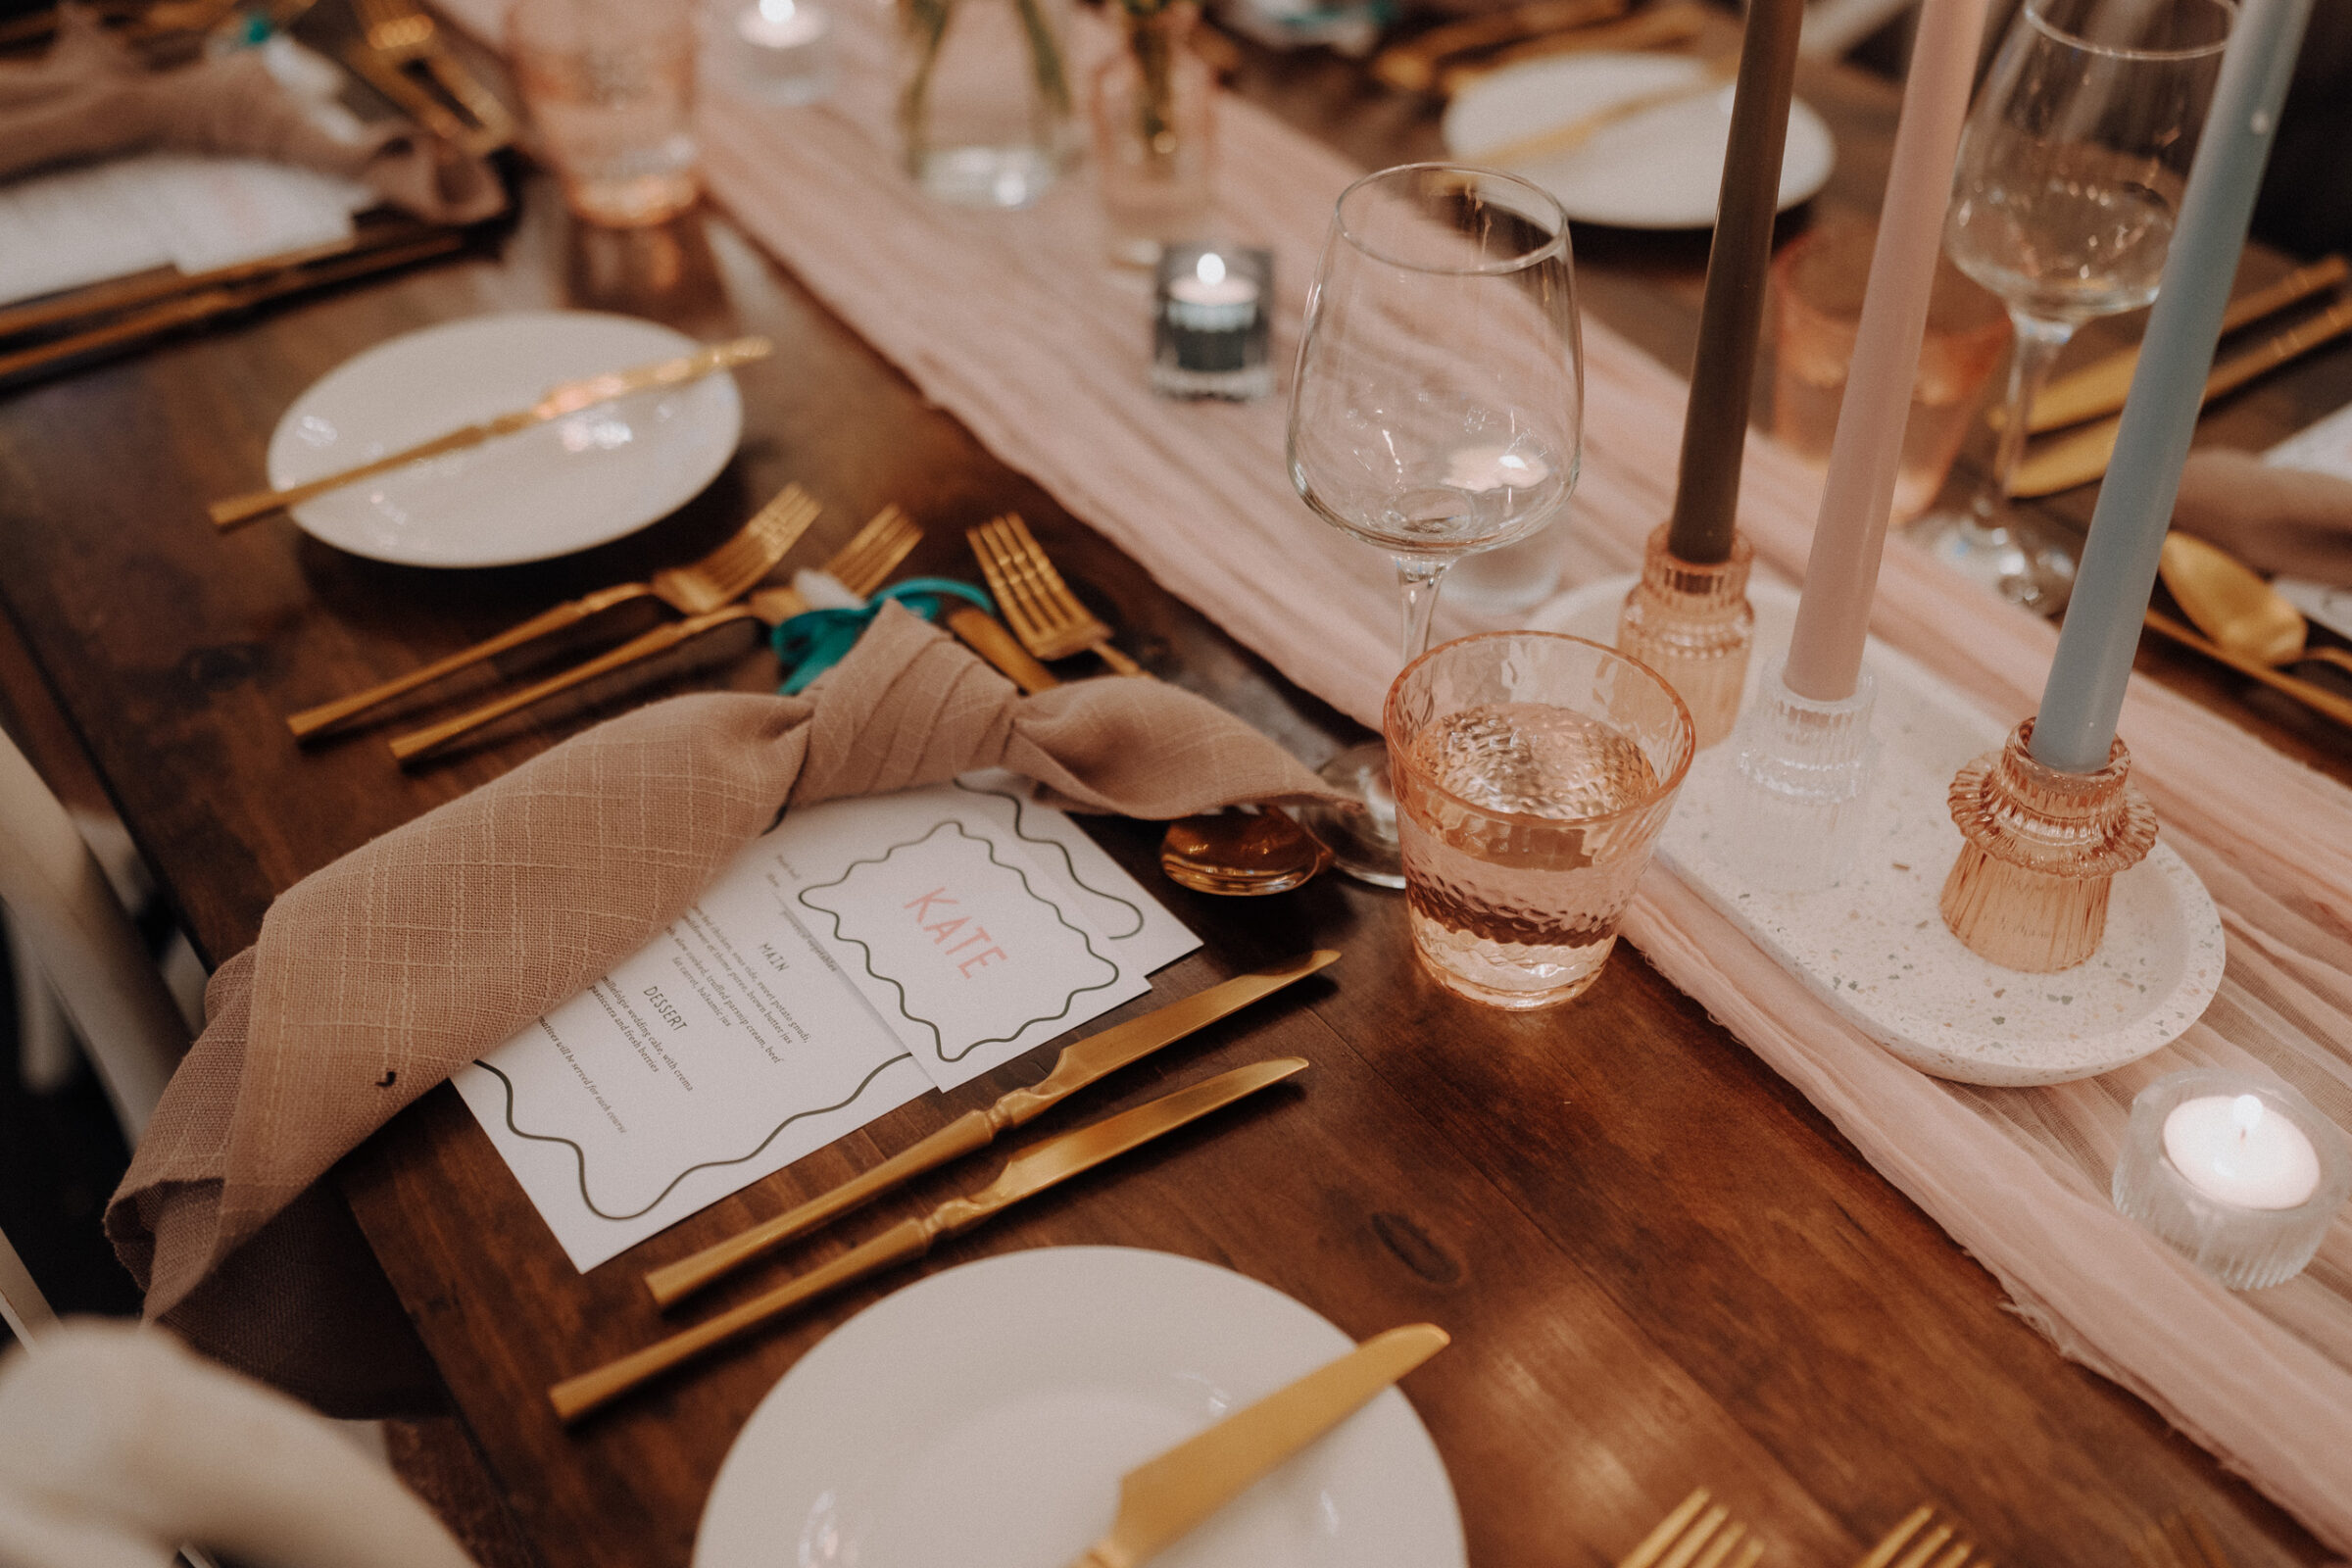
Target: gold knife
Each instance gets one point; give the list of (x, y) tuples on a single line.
[(1080, 1064), (2099, 386), (1025, 1174), (1163, 1499), (2082, 457), (567, 398)]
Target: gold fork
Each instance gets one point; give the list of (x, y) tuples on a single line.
[(690, 590), (1232, 854), (397, 34), (2184, 1541), (1923, 1540), (1039, 606), (861, 566), (1698, 1534)]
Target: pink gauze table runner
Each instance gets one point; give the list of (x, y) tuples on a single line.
[(1011, 322)]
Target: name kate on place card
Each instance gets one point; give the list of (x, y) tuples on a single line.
[(863, 953), (926, 916)]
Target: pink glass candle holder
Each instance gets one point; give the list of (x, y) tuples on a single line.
[(1692, 624), (2030, 889), (2241, 1175)]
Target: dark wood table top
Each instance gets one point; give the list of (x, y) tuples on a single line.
[(1661, 1267)]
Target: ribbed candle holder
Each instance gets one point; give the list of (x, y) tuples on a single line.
[(2246, 1246), (2029, 888), (1801, 786), (1692, 624)]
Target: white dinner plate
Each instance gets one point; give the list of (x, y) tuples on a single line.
[(982, 1418), (1659, 169), (547, 491)]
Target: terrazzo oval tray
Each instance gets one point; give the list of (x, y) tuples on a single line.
[(1874, 946)]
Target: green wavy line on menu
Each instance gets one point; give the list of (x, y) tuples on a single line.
[(1020, 817), (938, 1040), (580, 1155)]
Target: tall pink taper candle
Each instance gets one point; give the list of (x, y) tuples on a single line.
[(1825, 654)]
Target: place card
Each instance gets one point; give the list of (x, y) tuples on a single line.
[(861, 954), (2325, 446)]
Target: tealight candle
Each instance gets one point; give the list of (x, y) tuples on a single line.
[(1210, 333), (2243, 1175), (783, 50)]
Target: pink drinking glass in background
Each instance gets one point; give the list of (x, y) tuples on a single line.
[(1532, 774), (610, 87), (1816, 312)]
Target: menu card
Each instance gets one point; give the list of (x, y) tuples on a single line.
[(2325, 446), (863, 953)]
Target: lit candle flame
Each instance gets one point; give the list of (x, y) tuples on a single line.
[(2245, 1114), (1209, 270)]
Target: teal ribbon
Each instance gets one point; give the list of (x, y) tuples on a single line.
[(815, 641)]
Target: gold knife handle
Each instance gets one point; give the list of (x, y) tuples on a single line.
[(239, 510), (310, 721), (576, 1397), (660, 638), (974, 1129), (988, 637)]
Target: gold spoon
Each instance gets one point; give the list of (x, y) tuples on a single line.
[(2231, 605)]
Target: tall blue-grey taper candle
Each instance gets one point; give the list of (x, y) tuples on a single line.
[(2085, 695)]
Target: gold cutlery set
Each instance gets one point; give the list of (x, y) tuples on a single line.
[(2098, 389), (1031, 1171)]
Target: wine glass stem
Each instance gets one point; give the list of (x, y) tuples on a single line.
[(2038, 340), (1418, 575)]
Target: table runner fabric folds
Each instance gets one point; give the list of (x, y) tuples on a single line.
[(1004, 320), (378, 976)]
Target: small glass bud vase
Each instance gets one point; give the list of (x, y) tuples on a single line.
[(2030, 889), (2241, 1175), (1692, 624), (1152, 106), (984, 98)]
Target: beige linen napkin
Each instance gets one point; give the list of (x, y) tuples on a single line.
[(378, 976), (88, 97), (116, 1444), (2296, 522)]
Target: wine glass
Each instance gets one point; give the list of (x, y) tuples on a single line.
[(2069, 175), (1439, 406)]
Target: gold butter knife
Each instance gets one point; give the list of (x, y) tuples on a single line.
[(2082, 457), (1088, 1062), (1163, 1499), (2099, 386), (567, 398), (1025, 1174)]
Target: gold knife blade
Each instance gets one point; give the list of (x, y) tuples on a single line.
[(2099, 387), (2082, 457), (1164, 1500), (1087, 1062), (1026, 1174), (570, 397)]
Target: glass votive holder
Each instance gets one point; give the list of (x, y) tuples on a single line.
[(610, 90), (2240, 1174), (778, 51), (1210, 333)]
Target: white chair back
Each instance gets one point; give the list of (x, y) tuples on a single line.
[(62, 905)]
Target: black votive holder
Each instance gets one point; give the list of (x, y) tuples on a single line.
[(1209, 306)]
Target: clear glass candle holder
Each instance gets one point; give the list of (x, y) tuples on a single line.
[(2243, 1247), (1802, 771), (1210, 326)]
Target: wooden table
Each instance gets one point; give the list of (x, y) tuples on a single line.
[(1660, 1266)]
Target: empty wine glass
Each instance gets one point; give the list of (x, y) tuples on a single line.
[(1439, 406), (2069, 175)]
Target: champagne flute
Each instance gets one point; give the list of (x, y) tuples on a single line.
[(1439, 406), (2069, 175)]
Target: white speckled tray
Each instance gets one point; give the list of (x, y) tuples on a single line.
[(1874, 946)]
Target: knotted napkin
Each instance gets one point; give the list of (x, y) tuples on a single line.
[(90, 97), (378, 976), (2294, 521)]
